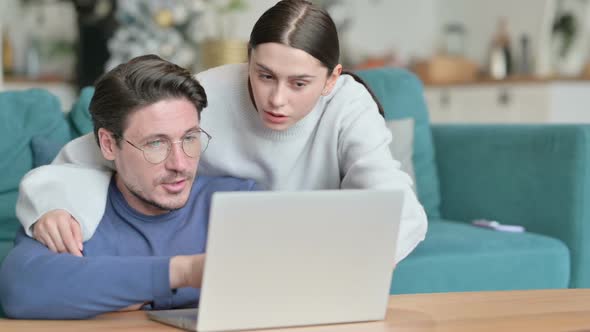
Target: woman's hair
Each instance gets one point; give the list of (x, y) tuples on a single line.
[(140, 82), (361, 81), (301, 24)]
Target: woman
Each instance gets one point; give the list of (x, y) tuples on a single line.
[(289, 119)]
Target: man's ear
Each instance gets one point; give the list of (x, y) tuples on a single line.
[(332, 80), (108, 144)]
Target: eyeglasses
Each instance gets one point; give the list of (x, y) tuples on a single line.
[(158, 150)]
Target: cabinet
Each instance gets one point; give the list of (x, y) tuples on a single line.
[(523, 102)]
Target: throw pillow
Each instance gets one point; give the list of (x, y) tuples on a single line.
[(44, 150), (402, 144)]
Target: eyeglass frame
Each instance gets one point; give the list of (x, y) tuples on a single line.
[(200, 130)]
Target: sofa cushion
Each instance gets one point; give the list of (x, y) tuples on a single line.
[(401, 95), (457, 256), (535, 175)]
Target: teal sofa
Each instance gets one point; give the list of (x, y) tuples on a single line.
[(530, 175), (535, 176)]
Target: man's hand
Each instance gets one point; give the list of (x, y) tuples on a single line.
[(133, 307), (186, 271), (60, 232)]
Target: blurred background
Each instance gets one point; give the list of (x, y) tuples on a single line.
[(63, 45)]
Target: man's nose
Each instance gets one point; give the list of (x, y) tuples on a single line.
[(177, 160)]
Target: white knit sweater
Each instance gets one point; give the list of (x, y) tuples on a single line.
[(342, 144)]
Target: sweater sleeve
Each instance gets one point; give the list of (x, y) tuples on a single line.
[(367, 163), (38, 284), (77, 181)]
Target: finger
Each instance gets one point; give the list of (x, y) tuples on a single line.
[(42, 235), (48, 242), (38, 231), (77, 231), (37, 235), (40, 228), (55, 236), (68, 239), (133, 307)]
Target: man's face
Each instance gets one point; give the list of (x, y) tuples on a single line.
[(286, 83), (150, 188)]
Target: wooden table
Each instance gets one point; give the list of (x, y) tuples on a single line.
[(543, 310)]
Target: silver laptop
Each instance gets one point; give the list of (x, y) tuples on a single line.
[(279, 259)]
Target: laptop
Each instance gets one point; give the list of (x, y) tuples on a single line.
[(282, 259)]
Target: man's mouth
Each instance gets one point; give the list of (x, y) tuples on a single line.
[(175, 186)]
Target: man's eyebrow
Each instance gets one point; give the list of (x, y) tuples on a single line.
[(302, 76), (195, 128), (159, 135)]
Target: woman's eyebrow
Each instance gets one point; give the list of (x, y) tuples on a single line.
[(301, 76)]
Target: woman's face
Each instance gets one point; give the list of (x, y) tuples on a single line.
[(286, 83)]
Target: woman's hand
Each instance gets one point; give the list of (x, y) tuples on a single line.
[(60, 232)]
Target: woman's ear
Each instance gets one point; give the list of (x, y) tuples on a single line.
[(108, 144), (332, 80)]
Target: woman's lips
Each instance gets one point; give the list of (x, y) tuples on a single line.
[(275, 117)]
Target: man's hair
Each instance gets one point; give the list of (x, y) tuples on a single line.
[(140, 82)]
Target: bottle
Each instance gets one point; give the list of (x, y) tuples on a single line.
[(498, 67), (33, 60), (7, 54), (500, 57), (525, 56)]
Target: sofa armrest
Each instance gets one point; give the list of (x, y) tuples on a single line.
[(532, 175)]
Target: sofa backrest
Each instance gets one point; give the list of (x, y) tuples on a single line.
[(401, 95), (25, 116), (79, 116)]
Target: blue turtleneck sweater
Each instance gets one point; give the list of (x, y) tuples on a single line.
[(126, 262)]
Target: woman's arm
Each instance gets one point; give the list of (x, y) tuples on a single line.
[(83, 151), (367, 163), (77, 182)]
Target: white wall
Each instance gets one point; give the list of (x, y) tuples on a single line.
[(411, 28), (58, 21), (8, 10), (1, 60), (415, 28), (379, 26), (480, 18), (406, 26), (12, 24)]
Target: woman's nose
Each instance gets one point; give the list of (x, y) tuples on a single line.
[(278, 96)]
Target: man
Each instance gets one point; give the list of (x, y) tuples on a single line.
[(148, 250)]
